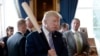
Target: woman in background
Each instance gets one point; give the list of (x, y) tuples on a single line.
[(9, 32)]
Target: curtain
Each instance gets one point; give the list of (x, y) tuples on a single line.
[(23, 14), (67, 10)]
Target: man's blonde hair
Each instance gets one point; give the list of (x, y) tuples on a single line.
[(20, 22), (49, 14)]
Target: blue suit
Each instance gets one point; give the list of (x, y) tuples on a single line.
[(16, 45), (37, 44)]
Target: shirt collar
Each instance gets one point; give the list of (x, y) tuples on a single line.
[(46, 32), (73, 31), (21, 33)]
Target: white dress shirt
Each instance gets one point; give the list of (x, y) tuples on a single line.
[(46, 33)]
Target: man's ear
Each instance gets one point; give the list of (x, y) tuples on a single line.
[(45, 22)]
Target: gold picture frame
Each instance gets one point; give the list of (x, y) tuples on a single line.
[(39, 7)]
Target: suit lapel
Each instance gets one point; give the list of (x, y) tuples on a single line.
[(56, 43), (44, 40), (83, 40), (54, 36), (72, 40)]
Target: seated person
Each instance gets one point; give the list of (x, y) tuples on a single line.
[(77, 42), (64, 27)]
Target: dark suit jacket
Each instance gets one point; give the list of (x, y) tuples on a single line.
[(5, 50), (71, 45), (27, 32), (37, 44), (1, 51), (16, 45)]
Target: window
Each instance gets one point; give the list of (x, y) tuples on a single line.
[(88, 11), (96, 22), (84, 12), (9, 16), (0, 18)]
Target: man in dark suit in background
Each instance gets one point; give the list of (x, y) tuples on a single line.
[(44, 43), (16, 43), (76, 41), (29, 26)]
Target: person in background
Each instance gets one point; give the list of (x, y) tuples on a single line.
[(77, 43), (16, 43), (1, 47), (29, 26), (64, 27), (49, 41), (9, 32)]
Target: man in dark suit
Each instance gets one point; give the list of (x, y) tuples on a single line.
[(29, 26), (76, 41), (44, 43), (16, 43)]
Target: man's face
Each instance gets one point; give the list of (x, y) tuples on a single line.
[(23, 28), (52, 23), (75, 25), (10, 32), (29, 24)]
